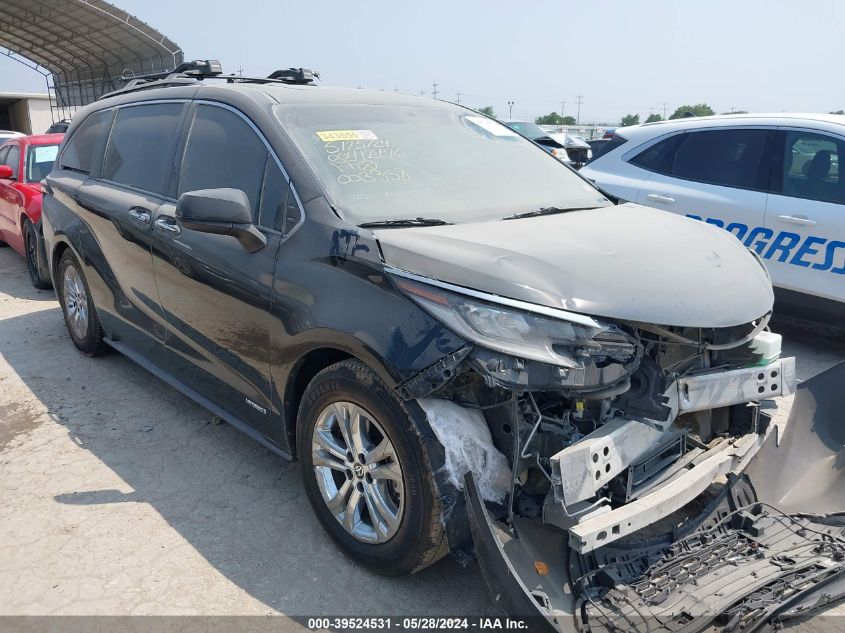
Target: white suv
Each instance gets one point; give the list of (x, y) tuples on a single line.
[(772, 180)]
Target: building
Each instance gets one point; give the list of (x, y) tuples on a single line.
[(25, 112), (82, 48), (585, 130)]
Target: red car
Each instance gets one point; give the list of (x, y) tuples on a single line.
[(24, 162)]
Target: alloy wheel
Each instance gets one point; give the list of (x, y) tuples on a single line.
[(76, 302), (358, 472)]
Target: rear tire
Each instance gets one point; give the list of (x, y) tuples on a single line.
[(378, 503), (78, 307), (30, 243)]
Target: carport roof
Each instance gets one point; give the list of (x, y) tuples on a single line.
[(84, 37)]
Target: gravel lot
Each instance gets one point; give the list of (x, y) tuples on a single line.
[(119, 496)]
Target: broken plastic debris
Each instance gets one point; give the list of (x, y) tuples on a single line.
[(464, 434)]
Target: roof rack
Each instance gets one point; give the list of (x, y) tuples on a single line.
[(295, 75), (200, 69)]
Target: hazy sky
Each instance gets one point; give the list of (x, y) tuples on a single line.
[(622, 56)]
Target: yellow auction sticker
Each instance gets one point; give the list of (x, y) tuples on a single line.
[(347, 135)]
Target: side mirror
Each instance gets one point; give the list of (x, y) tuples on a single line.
[(220, 211), (6, 172)]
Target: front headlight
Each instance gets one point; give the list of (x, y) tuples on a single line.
[(518, 332), (560, 154)]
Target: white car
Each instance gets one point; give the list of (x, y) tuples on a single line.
[(5, 135), (578, 151), (542, 137), (772, 180)]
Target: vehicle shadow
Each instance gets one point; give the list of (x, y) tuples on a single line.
[(240, 507), (15, 278)]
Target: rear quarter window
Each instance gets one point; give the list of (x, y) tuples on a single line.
[(83, 148), (658, 157), (600, 149)]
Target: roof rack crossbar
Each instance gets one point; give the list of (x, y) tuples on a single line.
[(198, 70)]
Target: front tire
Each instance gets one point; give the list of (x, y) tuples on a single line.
[(365, 472), (78, 307), (30, 242)]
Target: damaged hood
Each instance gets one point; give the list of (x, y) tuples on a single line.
[(624, 262)]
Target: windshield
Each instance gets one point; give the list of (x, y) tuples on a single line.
[(388, 162), (39, 161), (531, 130)]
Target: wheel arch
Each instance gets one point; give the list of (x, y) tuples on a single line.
[(59, 249), (312, 362)]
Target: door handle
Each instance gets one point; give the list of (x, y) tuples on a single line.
[(170, 227), (140, 214), (662, 199), (803, 220)]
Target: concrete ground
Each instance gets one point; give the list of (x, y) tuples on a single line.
[(119, 496)]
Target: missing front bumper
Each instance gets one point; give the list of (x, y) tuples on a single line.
[(739, 565), (583, 468)]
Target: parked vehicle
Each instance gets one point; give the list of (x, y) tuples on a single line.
[(578, 149), (5, 135), (543, 138), (59, 127), (24, 162), (461, 341), (773, 181), (598, 146)]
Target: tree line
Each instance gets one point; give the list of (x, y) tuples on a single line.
[(681, 112), (553, 118)]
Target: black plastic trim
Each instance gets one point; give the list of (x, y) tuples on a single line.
[(204, 402)]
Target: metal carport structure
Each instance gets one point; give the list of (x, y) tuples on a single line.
[(83, 48)]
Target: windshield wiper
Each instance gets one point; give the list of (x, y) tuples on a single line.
[(546, 211), (405, 222)]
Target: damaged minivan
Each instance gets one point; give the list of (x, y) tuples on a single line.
[(467, 347)]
